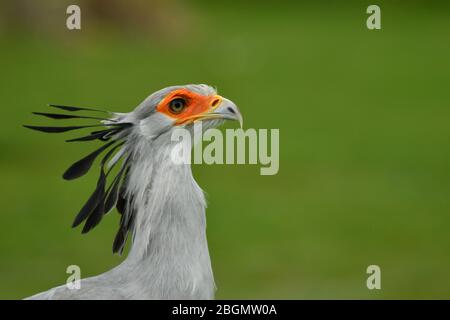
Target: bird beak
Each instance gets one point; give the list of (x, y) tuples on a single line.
[(226, 109), (221, 108)]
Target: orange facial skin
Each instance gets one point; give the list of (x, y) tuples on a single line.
[(196, 105)]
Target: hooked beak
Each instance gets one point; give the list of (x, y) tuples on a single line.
[(221, 108), (227, 110)]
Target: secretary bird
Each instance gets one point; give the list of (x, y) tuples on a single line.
[(161, 205)]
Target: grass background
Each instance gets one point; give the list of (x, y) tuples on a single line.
[(364, 147)]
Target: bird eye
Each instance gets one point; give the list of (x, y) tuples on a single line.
[(177, 105)]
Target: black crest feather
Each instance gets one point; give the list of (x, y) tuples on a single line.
[(96, 208), (58, 129), (73, 109), (126, 209), (113, 191), (58, 116), (103, 199), (81, 167), (103, 135), (92, 202)]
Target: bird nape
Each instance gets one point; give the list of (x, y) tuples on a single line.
[(160, 204)]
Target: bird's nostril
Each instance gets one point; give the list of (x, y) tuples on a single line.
[(215, 102), (231, 110)]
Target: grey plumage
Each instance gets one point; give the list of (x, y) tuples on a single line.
[(163, 211)]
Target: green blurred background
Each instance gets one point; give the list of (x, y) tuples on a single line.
[(364, 139)]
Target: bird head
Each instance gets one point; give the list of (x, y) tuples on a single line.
[(181, 107), (152, 120)]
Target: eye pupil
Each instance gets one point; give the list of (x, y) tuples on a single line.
[(177, 105)]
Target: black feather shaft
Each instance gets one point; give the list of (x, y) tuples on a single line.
[(59, 129), (58, 116), (96, 135), (73, 109)]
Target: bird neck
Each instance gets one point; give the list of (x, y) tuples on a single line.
[(169, 235)]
